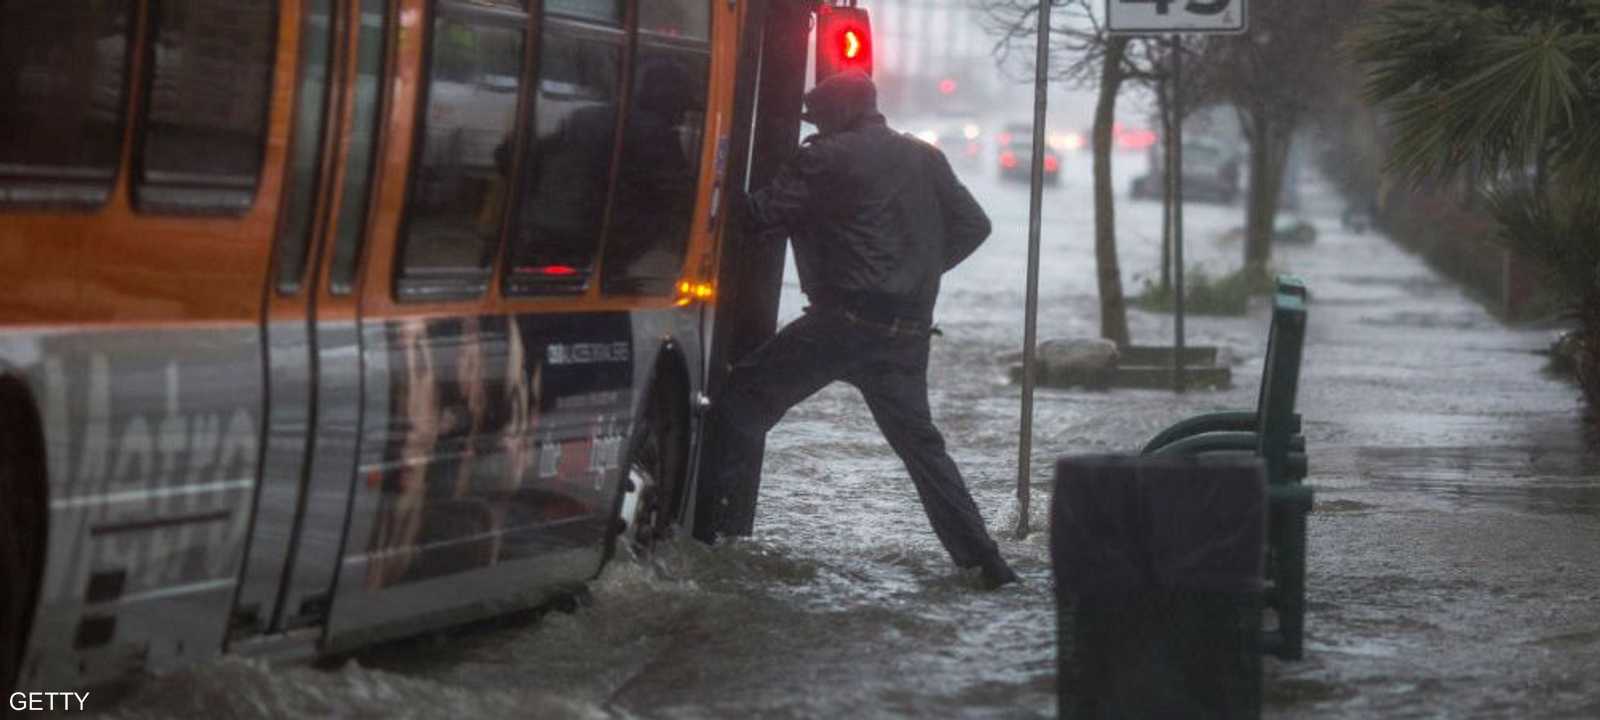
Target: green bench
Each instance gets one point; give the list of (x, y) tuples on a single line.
[(1273, 432)]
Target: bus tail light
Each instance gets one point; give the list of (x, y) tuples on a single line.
[(844, 41)]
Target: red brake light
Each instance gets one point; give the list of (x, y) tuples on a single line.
[(1136, 139), (1008, 160), (947, 86), (1051, 164)]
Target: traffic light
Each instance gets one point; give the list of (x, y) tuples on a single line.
[(844, 41)]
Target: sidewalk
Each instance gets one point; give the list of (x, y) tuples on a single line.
[(1454, 561)]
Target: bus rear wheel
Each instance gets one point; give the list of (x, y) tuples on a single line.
[(650, 501), (19, 553)]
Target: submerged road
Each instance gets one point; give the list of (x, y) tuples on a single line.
[(1453, 552)]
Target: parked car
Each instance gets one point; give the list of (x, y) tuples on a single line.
[(1210, 172), (1014, 153)]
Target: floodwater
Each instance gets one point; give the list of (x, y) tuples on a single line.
[(1453, 566)]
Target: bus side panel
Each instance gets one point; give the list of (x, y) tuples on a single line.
[(488, 474), (653, 331), (321, 530), (152, 443), (287, 433), (371, 454)]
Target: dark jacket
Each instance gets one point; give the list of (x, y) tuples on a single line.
[(876, 218)]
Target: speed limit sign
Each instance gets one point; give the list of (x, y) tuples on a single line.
[(1150, 17)]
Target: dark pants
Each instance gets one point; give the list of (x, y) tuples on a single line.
[(888, 363)]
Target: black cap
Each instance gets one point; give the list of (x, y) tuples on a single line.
[(841, 101)]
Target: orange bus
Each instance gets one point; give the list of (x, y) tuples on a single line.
[(329, 321)]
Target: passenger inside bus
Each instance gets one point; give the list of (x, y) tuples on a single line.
[(655, 189), (567, 167), (471, 105)]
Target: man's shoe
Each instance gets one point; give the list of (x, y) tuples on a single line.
[(996, 573)]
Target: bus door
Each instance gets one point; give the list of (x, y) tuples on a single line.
[(497, 383), (312, 328)]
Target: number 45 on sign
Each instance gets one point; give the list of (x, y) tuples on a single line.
[(1150, 17)]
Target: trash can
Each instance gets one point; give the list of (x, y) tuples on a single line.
[(1159, 572)]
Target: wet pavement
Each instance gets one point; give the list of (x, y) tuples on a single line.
[(1453, 551)]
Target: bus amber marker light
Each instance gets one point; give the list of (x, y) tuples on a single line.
[(691, 291)]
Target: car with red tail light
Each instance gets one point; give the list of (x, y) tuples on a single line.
[(1014, 153)]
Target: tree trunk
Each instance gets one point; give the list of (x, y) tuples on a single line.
[(1113, 311), (1269, 152)]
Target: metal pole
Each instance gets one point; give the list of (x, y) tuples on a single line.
[(1175, 175), (1163, 99), (1041, 75)]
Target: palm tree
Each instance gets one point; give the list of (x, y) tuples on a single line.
[(1490, 89), (1503, 95)]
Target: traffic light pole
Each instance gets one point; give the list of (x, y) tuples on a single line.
[(1031, 321)]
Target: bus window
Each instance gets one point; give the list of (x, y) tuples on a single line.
[(605, 11), (364, 133), (205, 118), (689, 19), (562, 193), (458, 189), (63, 79), (310, 112), (653, 210)]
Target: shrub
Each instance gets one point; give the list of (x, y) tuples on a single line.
[(1561, 231), (1203, 295)]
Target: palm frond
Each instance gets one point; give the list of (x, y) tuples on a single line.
[(1560, 230), (1476, 90)]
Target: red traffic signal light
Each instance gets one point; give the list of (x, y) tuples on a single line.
[(844, 41), (850, 44)]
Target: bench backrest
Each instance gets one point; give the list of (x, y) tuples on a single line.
[(1286, 285), (1280, 375)]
